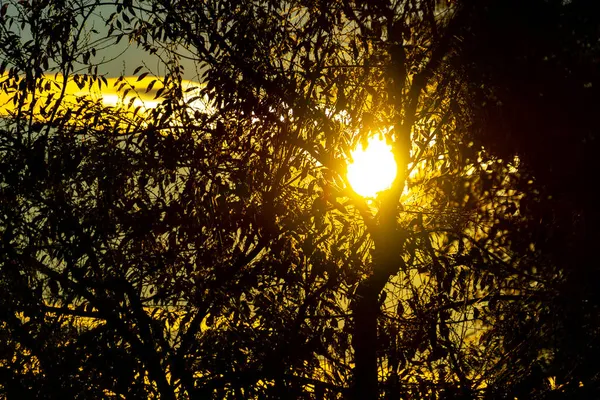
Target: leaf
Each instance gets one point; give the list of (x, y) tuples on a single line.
[(53, 287), (79, 81), (193, 99), (159, 92), (151, 85), (400, 308)]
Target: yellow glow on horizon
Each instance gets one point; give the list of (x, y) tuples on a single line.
[(373, 169), (125, 93)]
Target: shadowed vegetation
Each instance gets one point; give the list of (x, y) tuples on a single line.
[(208, 244)]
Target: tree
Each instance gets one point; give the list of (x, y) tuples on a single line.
[(219, 251), (534, 86)]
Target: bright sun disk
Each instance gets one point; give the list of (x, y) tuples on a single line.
[(373, 169)]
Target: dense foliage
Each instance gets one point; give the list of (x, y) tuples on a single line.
[(211, 247)]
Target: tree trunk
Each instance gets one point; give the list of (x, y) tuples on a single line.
[(364, 341), (365, 308)]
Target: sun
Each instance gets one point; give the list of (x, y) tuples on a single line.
[(373, 169)]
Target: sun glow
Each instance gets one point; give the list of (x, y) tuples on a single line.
[(126, 93), (373, 169)]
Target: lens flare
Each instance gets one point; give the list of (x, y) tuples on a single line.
[(373, 169)]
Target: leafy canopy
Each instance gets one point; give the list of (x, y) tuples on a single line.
[(218, 250)]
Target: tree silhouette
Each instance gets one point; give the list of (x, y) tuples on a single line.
[(217, 250), (534, 86)]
